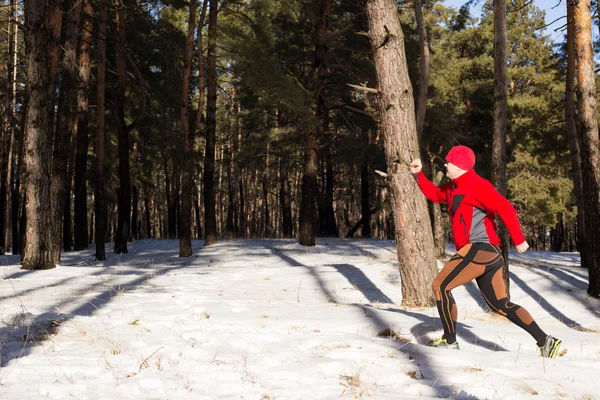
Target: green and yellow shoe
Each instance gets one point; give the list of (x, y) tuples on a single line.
[(443, 343), (550, 347)]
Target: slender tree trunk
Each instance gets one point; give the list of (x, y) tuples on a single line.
[(265, 195), (18, 196), (8, 130), (500, 118), (65, 125), (331, 228), (414, 239), (185, 222), (210, 221), (43, 25), (572, 131), (124, 194), (81, 211), (590, 142), (67, 220), (285, 198), (100, 202), (135, 233), (439, 232), (364, 186), (306, 232), (424, 75)]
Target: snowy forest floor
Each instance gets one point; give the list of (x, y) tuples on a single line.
[(269, 319)]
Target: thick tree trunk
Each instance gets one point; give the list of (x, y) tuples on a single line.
[(590, 142), (210, 221), (306, 231), (572, 131), (500, 118), (185, 222), (65, 126), (80, 210), (414, 239), (99, 203), (43, 24)]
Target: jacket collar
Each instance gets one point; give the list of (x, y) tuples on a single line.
[(461, 180)]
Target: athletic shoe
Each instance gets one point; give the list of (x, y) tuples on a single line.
[(550, 347), (443, 343)]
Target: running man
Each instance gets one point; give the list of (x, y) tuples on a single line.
[(473, 203)]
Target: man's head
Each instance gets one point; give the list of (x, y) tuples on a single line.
[(459, 160)]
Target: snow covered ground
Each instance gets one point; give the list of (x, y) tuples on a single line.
[(268, 319)]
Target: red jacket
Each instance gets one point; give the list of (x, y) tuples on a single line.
[(473, 204)]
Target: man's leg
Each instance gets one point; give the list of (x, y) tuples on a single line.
[(493, 290), (460, 270)]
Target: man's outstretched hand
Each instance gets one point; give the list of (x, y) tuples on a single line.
[(522, 248), (416, 166)]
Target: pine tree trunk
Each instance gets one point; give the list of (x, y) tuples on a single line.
[(185, 222), (18, 195), (100, 202), (266, 232), (365, 209), (500, 118), (572, 131), (80, 210), (67, 220), (306, 232), (8, 130), (424, 73), (135, 232), (331, 228), (124, 193), (43, 24), (210, 221), (284, 198), (414, 239), (439, 231), (590, 142), (65, 126)]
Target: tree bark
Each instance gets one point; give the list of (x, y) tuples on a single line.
[(499, 136), (43, 25), (124, 193), (100, 202), (210, 221), (590, 142), (572, 132), (365, 209), (185, 221), (65, 126), (284, 197), (424, 75), (80, 210), (306, 231), (8, 129), (331, 228), (414, 239)]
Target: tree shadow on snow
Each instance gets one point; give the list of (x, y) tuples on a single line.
[(20, 334)]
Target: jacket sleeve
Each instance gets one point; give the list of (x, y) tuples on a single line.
[(494, 202), (436, 194)]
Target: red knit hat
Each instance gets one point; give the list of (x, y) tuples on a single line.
[(461, 156)]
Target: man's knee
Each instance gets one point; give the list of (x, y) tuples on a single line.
[(436, 286)]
